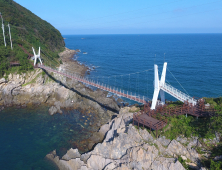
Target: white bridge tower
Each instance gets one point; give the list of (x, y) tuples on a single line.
[(35, 57), (160, 86), (157, 85)]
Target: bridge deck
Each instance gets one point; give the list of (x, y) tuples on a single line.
[(156, 119), (97, 85), (145, 120)]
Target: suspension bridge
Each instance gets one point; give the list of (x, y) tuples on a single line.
[(154, 115), (152, 108), (160, 87), (155, 112)]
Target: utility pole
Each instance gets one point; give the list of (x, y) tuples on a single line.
[(10, 36), (3, 28)]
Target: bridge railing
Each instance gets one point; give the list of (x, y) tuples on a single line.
[(178, 94), (120, 92)]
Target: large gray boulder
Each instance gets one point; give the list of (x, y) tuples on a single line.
[(166, 164), (71, 154), (164, 141), (97, 162), (72, 164), (2, 80), (52, 110), (177, 149), (146, 135)]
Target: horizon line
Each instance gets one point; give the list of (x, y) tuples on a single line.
[(139, 33)]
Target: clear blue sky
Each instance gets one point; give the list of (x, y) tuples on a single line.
[(129, 16)]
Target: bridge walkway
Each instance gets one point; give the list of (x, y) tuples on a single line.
[(157, 119), (97, 85)]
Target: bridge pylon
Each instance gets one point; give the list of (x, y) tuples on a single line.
[(35, 57), (157, 84)]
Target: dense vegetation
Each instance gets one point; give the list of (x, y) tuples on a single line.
[(28, 30), (203, 128)]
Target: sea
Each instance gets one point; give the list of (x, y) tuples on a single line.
[(126, 62), (27, 135)]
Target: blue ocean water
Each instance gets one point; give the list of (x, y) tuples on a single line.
[(28, 134), (121, 61)]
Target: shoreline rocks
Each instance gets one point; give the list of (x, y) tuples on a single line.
[(125, 147), (36, 88)]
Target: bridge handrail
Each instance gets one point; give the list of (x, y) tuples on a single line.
[(179, 93), (79, 78)]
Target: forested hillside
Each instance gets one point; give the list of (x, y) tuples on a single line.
[(28, 30)]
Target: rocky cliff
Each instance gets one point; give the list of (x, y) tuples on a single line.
[(126, 147)]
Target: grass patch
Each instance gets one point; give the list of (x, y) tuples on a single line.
[(187, 126), (198, 149), (33, 80), (214, 101), (137, 127), (156, 146), (183, 162), (134, 111), (174, 104)]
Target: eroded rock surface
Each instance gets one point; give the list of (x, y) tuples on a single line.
[(125, 147)]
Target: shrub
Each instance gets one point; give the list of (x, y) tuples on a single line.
[(215, 165)]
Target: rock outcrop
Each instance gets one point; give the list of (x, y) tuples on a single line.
[(60, 92), (125, 147)]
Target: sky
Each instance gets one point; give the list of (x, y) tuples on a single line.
[(73, 17)]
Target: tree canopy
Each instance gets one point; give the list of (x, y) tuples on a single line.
[(28, 30)]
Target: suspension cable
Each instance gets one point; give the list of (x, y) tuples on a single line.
[(129, 84), (177, 81), (124, 74), (122, 82), (147, 84)]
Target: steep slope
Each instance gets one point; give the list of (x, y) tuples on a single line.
[(28, 30)]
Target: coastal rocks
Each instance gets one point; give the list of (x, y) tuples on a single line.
[(134, 109), (36, 88), (97, 162), (166, 164), (72, 164), (126, 147), (146, 135), (193, 166), (2, 80), (163, 141), (71, 154), (1, 108), (104, 128), (54, 109), (145, 154), (218, 158), (112, 149), (193, 142), (182, 140), (95, 138), (84, 157), (175, 148), (69, 64)]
